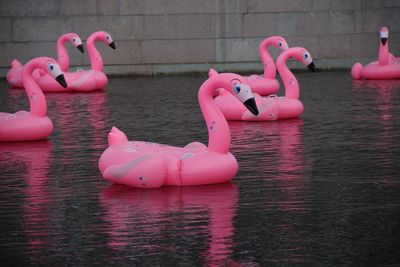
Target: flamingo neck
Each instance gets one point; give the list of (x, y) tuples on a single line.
[(383, 57), (268, 62), (37, 101), (292, 89), (62, 54), (219, 137), (96, 61)]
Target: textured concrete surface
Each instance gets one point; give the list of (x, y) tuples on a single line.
[(178, 36)]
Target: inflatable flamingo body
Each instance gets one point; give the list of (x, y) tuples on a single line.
[(271, 107), (151, 165), (387, 66), (14, 75), (86, 80), (32, 125)]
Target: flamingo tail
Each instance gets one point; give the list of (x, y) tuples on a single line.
[(116, 137), (15, 63), (212, 72)]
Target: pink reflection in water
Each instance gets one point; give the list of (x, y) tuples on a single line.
[(79, 132), (80, 116), (35, 157), (383, 91), (277, 157), (147, 219), (281, 145)]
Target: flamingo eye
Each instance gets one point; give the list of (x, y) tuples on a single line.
[(73, 40), (306, 55), (51, 67), (279, 44), (236, 88), (108, 37)]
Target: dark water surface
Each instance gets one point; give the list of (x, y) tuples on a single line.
[(323, 190)]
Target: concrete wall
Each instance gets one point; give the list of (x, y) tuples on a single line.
[(175, 36)]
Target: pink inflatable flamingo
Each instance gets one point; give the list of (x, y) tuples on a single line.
[(14, 75), (264, 84), (387, 66), (271, 107), (150, 165), (32, 125), (86, 80)]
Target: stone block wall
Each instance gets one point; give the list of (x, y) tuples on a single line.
[(178, 36)]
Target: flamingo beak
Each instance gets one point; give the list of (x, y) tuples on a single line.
[(61, 80), (311, 66), (112, 45), (384, 40), (251, 105), (80, 47)]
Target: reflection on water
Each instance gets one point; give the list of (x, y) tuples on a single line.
[(279, 149), (276, 151), (172, 220), (321, 190), (34, 159), (375, 102)]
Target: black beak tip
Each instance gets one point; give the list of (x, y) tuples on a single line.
[(80, 47), (112, 45), (311, 66), (61, 80), (384, 40), (251, 105)]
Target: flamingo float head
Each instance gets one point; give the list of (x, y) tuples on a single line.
[(243, 92), (106, 38), (384, 35), (55, 71), (281, 43), (76, 41), (304, 57)]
